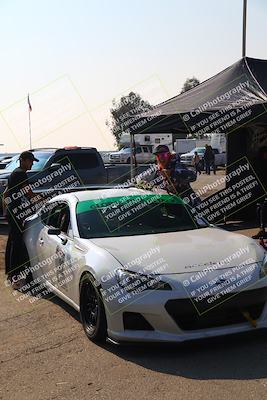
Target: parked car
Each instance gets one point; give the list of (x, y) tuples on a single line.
[(138, 266), (86, 168), (187, 158), (5, 159), (105, 156), (143, 155), (85, 163)]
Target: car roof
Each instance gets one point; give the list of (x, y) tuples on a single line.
[(59, 149), (100, 194)]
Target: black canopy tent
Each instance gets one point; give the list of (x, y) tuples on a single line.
[(243, 84), (233, 102)]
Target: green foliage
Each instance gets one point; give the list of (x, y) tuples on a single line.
[(189, 84), (124, 112)]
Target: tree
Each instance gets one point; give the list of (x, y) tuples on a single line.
[(124, 112), (189, 84)]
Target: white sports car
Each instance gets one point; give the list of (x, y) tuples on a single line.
[(139, 267)]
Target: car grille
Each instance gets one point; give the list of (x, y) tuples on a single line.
[(229, 312), (187, 159), (115, 158)]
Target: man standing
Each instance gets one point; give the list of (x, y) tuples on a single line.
[(197, 162), (16, 200), (208, 157), (212, 160)]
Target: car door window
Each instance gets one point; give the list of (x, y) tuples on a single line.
[(64, 219), (145, 149), (55, 216), (44, 214)]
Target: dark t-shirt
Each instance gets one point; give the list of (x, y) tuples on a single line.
[(209, 155), (17, 187)]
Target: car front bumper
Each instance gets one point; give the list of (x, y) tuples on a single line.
[(187, 161), (171, 318)]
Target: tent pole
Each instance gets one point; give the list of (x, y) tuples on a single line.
[(244, 28), (131, 145), (134, 153)]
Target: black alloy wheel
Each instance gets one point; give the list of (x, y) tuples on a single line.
[(92, 311)]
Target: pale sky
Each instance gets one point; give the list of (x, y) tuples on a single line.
[(73, 57)]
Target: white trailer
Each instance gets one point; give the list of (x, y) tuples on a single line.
[(218, 141), (151, 140), (183, 146)]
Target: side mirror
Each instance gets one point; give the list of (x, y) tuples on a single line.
[(55, 166), (54, 231)]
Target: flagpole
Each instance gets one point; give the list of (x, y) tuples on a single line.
[(244, 28), (30, 129), (30, 125)]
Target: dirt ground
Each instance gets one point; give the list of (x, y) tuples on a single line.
[(44, 354), (204, 180)]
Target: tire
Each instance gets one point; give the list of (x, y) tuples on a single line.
[(92, 311), (128, 160)]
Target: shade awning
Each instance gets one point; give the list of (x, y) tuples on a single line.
[(234, 97)]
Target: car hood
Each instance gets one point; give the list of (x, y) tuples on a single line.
[(4, 173), (187, 251), (187, 154)]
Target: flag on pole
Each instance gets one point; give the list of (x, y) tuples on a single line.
[(29, 104)]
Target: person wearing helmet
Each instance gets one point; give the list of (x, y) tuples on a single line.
[(171, 175), (166, 163)]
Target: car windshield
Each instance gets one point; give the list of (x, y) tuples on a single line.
[(200, 150), (134, 215), (125, 150), (41, 156)]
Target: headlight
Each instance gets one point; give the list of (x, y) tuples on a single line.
[(263, 270), (130, 281), (3, 183)]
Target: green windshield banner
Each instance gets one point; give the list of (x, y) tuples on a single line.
[(126, 201)]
